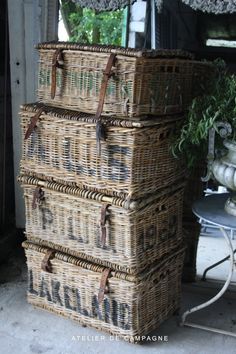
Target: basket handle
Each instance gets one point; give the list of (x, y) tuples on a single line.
[(33, 123), (103, 284), (46, 264), (57, 62), (100, 130)]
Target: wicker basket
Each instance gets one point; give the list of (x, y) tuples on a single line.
[(101, 229), (114, 302), (139, 83), (133, 161)]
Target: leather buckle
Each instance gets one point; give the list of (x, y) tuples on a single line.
[(46, 264), (57, 62), (103, 284)]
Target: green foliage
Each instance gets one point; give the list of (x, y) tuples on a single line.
[(204, 112), (87, 26)]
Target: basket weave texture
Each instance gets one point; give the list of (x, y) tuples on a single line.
[(141, 82), (135, 158), (131, 307), (132, 239)]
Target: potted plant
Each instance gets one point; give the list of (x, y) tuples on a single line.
[(215, 111)]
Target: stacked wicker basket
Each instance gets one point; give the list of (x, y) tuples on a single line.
[(103, 194)]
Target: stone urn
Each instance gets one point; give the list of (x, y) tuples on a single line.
[(223, 169)]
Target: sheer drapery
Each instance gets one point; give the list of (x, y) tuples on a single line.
[(213, 6), (210, 6), (104, 5)]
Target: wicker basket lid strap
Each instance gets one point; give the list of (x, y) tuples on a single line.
[(46, 265), (100, 129), (33, 123), (103, 223), (103, 284), (57, 62), (38, 196)]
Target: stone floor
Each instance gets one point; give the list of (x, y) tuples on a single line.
[(24, 329), (212, 247)]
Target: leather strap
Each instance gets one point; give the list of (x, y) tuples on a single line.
[(100, 135), (37, 196), (46, 265), (57, 62), (100, 129), (103, 284), (103, 224), (33, 123), (106, 76)]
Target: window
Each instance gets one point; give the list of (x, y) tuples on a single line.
[(220, 43)]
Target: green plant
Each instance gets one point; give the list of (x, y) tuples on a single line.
[(89, 26), (218, 105)]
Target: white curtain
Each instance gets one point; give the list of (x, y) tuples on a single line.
[(210, 6), (104, 5), (213, 6)]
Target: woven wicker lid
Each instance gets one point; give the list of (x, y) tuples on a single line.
[(90, 118), (98, 268), (131, 52), (128, 204)]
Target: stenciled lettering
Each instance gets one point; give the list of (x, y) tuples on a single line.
[(114, 312), (96, 311), (70, 228), (47, 217), (109, 311), (68, 162), (31, 283), (119, 171), (68, 293), (55, 293), (112, 168), (78, 302), (124, 311), (79, 308), (44, 290), (35, 147)]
